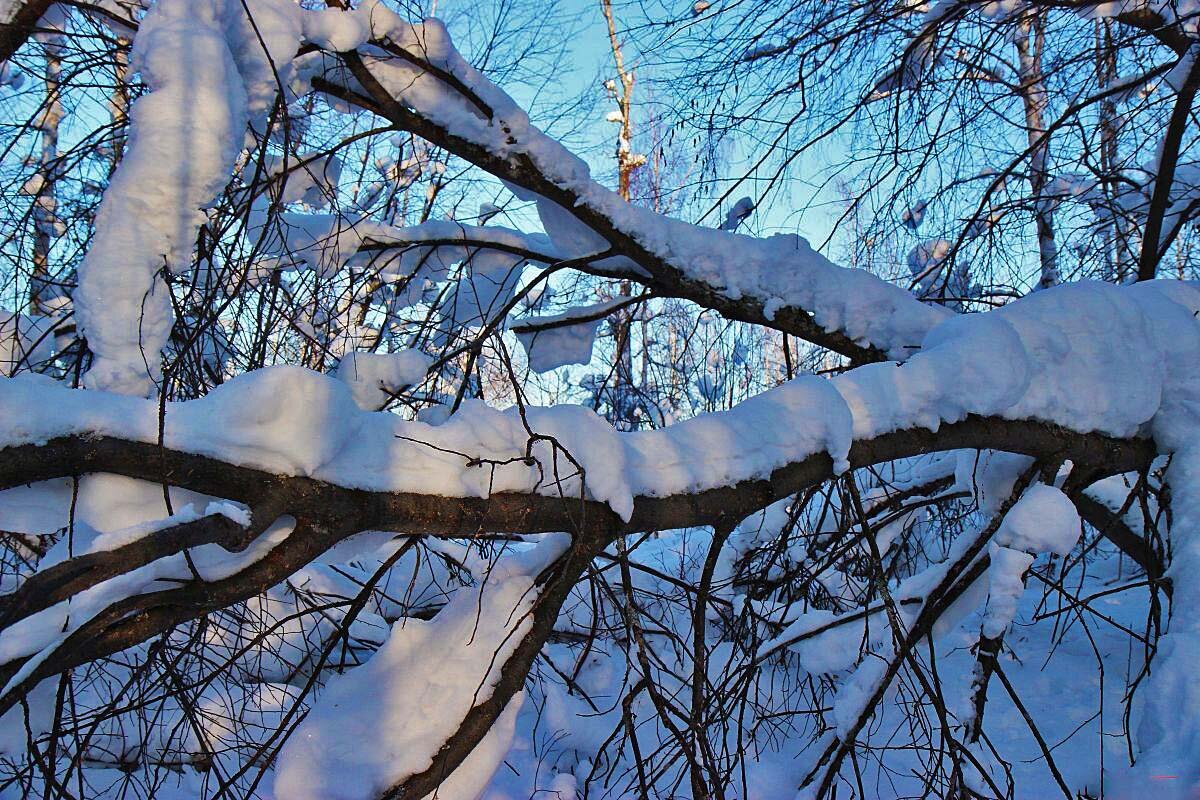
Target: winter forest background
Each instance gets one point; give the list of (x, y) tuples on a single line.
[(599, 399)]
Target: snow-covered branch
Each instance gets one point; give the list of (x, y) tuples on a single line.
[(779, 282)]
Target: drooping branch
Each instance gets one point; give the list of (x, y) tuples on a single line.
[(651, 269), (1113, 527), (554, 591)]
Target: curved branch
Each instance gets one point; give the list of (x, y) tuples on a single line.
[(1112, 527), (511, 512)]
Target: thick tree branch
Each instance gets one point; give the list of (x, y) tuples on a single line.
[(327, 513), (19, 25)]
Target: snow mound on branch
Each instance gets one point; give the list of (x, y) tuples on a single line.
[(784, 267), (805, 415), (287, 419), (1088, 357), (1044, 520), (373, 376), (551, 348), (1005, 585), (384, 722), (336, 29), (867, 309)]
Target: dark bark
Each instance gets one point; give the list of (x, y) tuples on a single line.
[(21, 25)]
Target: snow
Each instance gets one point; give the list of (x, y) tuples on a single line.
[(292, 421), (322, 243), (189, 513), (486, 290), (311, 179), (1168, 732), (207, 76), (1049, 356), (38, 635), (823, 644), (1044, 520), (9, 9), (1006, 583), (335, 29), (383, 722), (551, 341), (784, 266), (741, 211), (854, 694), (374, 377), (1090, 357)]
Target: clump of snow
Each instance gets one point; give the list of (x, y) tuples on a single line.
[(554, 341), (989, 476), (1049, 356), (263, 36), (374, 377), (336, 29), (207, 74), (322, 243), (925, 262), (487, 289), (854, 694), (824, 643), (288, 418), (740, 212), (1044, 520), (1006, 572), (747, 442), (311, 179)]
